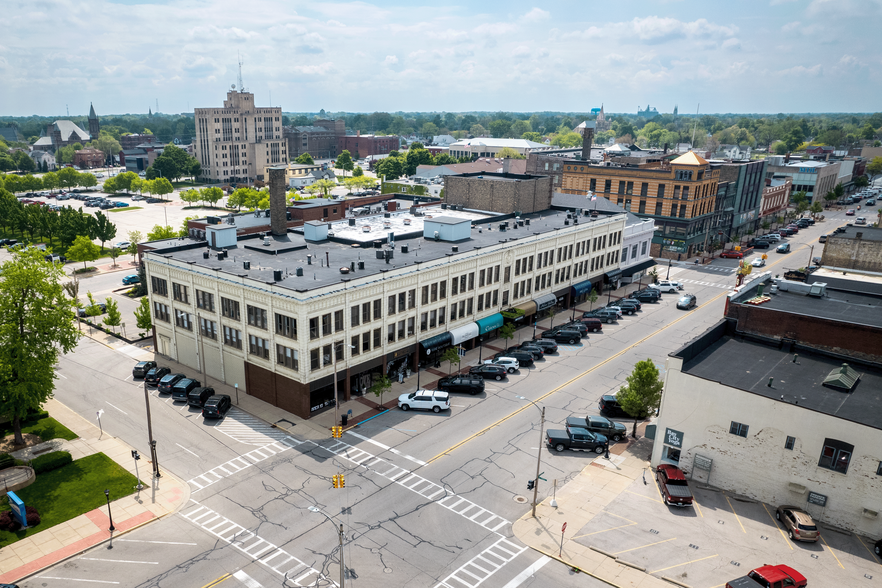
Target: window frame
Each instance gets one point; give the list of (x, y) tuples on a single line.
[(739, 429)]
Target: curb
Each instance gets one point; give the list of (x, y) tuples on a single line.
[(576, 568)]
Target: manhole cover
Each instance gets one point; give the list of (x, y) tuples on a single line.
[(387, 571), (520, 499)]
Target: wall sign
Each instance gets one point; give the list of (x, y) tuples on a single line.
[(702, 463), (674, 438), (815, 498)]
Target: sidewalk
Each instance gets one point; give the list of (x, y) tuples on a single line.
[(69, 539), (583, 498)]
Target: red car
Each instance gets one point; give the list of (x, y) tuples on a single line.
[(779, 576), (849, 212), (732, 254), (673, 486)]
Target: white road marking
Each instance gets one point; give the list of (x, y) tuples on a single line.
[(473, 573), (127, 378), (244, 428), (386, 447), (159, 542), (287, 566), (153, 563), (187, 450), (247, 580), (528, 573), (60, 376), (242, 462), (119, 409), (75, 580)]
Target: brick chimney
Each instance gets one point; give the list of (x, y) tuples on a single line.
[(787, 158), (278, 210), (588, 139)]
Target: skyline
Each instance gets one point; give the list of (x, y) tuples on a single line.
[(791, 56)]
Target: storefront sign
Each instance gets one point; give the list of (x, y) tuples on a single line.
[(674, 438), (702, 463), (675, 245), (808, 170), (322, 405), (815, 498)]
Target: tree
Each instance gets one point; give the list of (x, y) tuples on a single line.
[(323, 186), (304, 159), (477, 130), (567, 140), (381, 385), (107, 144), (507, 331), (532, 136), (592, 297), (451, 356), (50, 181), (104, 229), (390, 168), (135, 237), (816, 208), (643, 392), (357, 172), (110, 186), (874, 168), (158, 233), (212, 194), (114, 316), (87, 180), (161, 187), (509, 152), (192, 195), (344, 162), (499, 128), (36, 326), (859, 182), (83, 250), (172, 163), (429, 129), (142, 315), (114, 253)]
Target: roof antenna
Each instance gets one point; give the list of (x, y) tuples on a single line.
[(241, 86)]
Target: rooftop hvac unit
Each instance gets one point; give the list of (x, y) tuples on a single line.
[(246, 265), (277, 275), (299, 271)]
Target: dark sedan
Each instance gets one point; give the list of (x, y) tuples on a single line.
[(154, 375), (548, 346), (168, 382), (142, 367), (488, 370), (687, 301)]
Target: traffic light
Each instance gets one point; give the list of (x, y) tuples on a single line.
[(336, 432), (530, 484), (135, 455), (342, 481), (336, 480)]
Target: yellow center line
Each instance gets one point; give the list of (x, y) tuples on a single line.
[(686, 563), (737, 518), (575, 379), (643, 546), (832, 553), (775, 522), (603, 531), (218, 581)]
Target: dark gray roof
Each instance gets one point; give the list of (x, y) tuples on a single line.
[(848, 307), (748, 365), (601, 205), (315, 203), (10, 134), (867, 233), (312, 129), (448, 220)]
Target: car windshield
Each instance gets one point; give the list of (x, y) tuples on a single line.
[(685, 299), (168, 378), (807, 527)]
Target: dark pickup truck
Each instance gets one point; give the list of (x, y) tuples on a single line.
[(673, 486), (576, 439), (599, 424)]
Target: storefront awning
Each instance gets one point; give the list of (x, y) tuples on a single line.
[(438, 341), (582, 288), (613, 275), (527, 307), (487, 324), (545, 301), (630, 271), (463, 333)]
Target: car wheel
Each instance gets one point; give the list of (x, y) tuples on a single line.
[(599, 449), (436, 409), (630, 312), (617, 438), (405, 407), (665, 500), (595, 330), (778, 515), (878, 550), (559, 447), (498, 377), (511, 370), (572, 341), (790, 534)]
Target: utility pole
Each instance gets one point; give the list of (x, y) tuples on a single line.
[(153, 456), (538, 460)]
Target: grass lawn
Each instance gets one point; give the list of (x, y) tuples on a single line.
[(72, 490), (126, 209), (46, 428)]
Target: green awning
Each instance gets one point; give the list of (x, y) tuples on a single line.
[(487, 324), (582, 288), (437, 342)]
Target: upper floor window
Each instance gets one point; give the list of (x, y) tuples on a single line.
[(836, 455)]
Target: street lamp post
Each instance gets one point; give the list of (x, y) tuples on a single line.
[(480, 349), (340, 534), (539, 455), (668, 276), (336, 398), (109, 514)]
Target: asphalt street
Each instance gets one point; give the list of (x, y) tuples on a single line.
[(429, 498)]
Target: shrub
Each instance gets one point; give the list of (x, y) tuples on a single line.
[(8, 522), (32, 516), (51, 461), (6, 461)]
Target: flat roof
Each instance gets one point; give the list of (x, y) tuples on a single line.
[(848, 307), (747, 365), (867, 233), (351, 244)]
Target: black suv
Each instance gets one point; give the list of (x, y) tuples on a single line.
[(569, 336), (488, 370), (548, 346), (142, 367), (606, 315), (759, 244), (181, 390), (646, 295), (167, 383), (575, 326), (155, 374), (524, 359), (198, 396), (609, 406), (216, 406), (470, 384), (535, 352)]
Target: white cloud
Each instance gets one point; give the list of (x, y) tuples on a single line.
[(536, 14), (802, 71), (733, 44), (791, 26), (390, 60)]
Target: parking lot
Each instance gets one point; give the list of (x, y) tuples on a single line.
[(722, 537)]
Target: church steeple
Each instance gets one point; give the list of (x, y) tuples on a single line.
[(94, 126)]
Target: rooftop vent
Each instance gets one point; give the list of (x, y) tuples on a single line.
[(299, 271), (277, 275), (843, 379), (246, 265), (266, 241), (344, 270), (205, 255)]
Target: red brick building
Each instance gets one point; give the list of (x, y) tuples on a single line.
[(776, 196), (88, 158), (360, 146)]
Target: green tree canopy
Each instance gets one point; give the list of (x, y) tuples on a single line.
[(142, 315), (344, 162), (83, 250), (36, 326), (874, 168), (157, 233), (304, 159), (642, 393), (104, 229), (509, 152)]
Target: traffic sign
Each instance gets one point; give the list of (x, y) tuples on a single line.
[(564, 528)]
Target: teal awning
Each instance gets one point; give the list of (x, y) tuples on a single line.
[(437, 342), (487, 324), (582, 288)]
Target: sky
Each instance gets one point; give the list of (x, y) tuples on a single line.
[(752, 56)]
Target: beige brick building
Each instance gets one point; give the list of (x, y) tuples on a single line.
[(237, 142), (505, 192)]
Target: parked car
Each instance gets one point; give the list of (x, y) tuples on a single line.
[(216, 406), (861, 220), (122, 245), (198, 396), (758, 262), (646, 295), (154, 375), (434, 400), (878, 547), (63, 197), (120, 204), (599, 424), (568, 336), (510, 364), (106, 205), (666, 286), (55, 258), (822, 238), (798, 523), (538, 352), (849, 212), (182, 388), (593, 324), (168, 381), (673, 486), (731, 253), (606, 315), (524, 359), (576, 439), (548, 345), (609, 405), (131, 279), (623, 302), (81, 312), (779, 576), (468, 384), (783, 248), (576, 326), (142, 367), (871, 202), (774, 237), (488, 370), (687, 301), (760, 244)]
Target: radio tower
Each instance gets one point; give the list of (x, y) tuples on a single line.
[(241, 86)]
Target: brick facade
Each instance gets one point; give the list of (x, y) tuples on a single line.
[(88, 158), (505, 193), (361, 146), (859, 248)]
